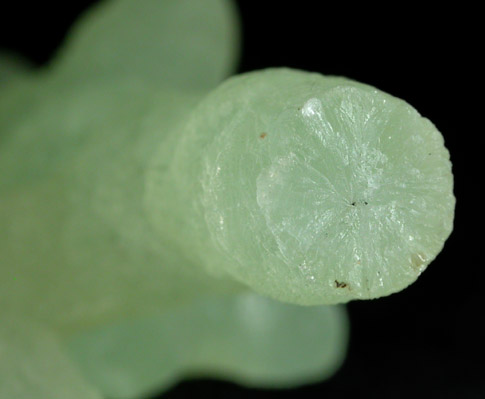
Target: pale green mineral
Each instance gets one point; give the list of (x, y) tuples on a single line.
[(245, 338), (12, 67), (313, 189), (146, 215)]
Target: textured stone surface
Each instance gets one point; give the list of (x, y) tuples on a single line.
[(314, 189), (138, 217)]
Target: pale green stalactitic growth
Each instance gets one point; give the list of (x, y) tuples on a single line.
[(141, 207), (311, 189), (182, 44), (34, 365), (244, 338)]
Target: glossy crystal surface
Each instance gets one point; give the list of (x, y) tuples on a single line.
[(148, 211)]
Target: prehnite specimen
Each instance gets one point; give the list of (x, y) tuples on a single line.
[(154, 226)]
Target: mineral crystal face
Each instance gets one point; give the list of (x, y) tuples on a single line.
[(319, 190), (142, 203)]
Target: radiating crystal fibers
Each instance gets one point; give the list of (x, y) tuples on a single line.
[(145, 206)]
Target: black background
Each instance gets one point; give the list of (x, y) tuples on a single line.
[(426, 340)]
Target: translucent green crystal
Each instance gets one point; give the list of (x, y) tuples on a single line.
[(34, 365), (245, 338), (312, 189), (182, 44), (146, 216)]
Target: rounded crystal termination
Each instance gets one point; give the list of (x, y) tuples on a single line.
[(313, 189)]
